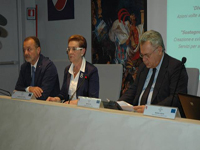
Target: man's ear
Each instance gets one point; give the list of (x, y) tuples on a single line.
[(160, 49), (38, 50)]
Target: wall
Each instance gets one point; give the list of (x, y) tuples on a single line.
[(54, 34), (25, 27), (9, 51), (157, 17)]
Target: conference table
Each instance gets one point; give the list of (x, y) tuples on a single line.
[(41, 125)]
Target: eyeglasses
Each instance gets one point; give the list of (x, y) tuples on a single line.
[(148, 55), (73, 49)]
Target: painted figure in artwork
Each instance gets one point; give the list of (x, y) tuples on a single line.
[(115, 35)]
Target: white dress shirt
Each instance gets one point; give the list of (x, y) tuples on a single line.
[(147, 82), (74, 81)]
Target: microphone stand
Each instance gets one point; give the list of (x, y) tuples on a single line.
[(77, 89), (8, 93)]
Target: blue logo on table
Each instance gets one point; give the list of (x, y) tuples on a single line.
[(173, 110), (98, 101)]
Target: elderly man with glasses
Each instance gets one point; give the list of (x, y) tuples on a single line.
[(158, 77)]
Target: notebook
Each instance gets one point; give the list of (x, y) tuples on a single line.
[(190, 105)]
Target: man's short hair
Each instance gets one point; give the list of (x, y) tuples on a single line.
[(36, 40), (153, 37)]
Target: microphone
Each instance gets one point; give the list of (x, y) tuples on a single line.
[(182, 64), (183, 60), (7, 93), (81, 84)]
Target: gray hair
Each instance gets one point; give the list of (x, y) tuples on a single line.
[(153, 37)]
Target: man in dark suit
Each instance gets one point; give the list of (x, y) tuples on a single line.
[(164, 71), (38, 74)]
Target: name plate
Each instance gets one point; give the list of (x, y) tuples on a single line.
[(89, 102), (22, 95), (160, 111)]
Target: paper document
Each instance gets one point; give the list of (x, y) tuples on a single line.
[(125, 106)]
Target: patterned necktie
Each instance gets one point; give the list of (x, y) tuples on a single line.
[(147, 90), (33, 75)]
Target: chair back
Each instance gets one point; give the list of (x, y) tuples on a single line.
[(61, 65), (193, 80)]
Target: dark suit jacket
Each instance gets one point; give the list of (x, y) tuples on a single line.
[(90, 86), (165, 84), (46, 77)]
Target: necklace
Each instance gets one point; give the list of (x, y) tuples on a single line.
[(75, 70)]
